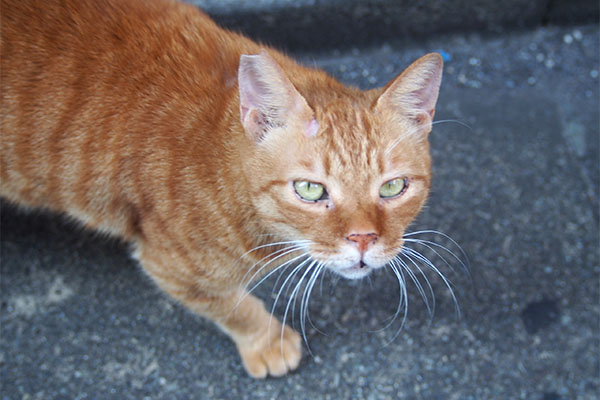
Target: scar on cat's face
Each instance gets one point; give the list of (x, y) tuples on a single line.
[(351, 188)]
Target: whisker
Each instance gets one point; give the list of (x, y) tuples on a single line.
[(466, 267), (292, 242), (434, 232), (417, 283), (454, 121), (274, 244), (286, 264), (321, 285), (246, 293), (425, 243), (413, 253), (324, 268), (292, 298), (401, 289), (433, 301), (304, 304), (280, 275), (279, 292), (405, 135), (400, 139), (285, 251), (403, 300)]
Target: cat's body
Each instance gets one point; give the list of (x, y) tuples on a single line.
[(129, 116)]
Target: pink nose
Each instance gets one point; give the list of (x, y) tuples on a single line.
[(362, 240)]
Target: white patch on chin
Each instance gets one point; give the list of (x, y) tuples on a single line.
[(349, 264), (357, 271)]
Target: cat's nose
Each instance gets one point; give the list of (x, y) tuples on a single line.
[(362, 240)]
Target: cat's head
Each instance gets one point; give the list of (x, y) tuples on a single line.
[(339, 170)]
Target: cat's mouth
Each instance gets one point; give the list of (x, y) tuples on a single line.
[(356, 271)]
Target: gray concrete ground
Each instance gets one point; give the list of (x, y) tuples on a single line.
[(517, 187), (308, 24)]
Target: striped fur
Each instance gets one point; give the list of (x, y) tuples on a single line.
[(125, 115)]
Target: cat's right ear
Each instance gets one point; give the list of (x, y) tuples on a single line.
[(415, 91), (268, 99)]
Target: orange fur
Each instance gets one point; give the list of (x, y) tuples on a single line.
[(126, 115)]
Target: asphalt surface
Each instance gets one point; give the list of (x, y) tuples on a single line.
[(311, 24), (516, 185)]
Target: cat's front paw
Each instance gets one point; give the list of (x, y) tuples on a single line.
[(269, 354)]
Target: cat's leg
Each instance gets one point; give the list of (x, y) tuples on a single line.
[(265, 345)]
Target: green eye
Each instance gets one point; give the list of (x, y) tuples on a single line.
[(392, 188), (310, 191)]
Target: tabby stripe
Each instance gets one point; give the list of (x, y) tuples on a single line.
[(270, 186), (26, 123), (55, 150), (166, 275), (87, 157), (115, 167)]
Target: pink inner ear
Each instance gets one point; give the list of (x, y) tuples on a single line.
[(416, 90), (312, 128), (427, 97)]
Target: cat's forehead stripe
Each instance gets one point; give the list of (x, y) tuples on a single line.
[(307, 164), (326, 163), (350, 141)]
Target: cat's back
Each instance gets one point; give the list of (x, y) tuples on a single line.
[(97, 96), (59, 50)]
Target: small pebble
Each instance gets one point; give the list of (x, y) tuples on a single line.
[(568, 39), (531, 80), (549, 63), (594, 73), (540, 57), (577, 34), (474, 61)]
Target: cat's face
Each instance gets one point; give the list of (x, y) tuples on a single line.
[(346, 179)]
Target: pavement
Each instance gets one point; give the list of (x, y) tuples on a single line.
[(311, 24), (516, 184)]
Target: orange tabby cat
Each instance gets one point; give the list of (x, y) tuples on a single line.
[(211, 154)]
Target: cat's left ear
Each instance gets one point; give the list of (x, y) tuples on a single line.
[(268, 99), (414, 92)]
